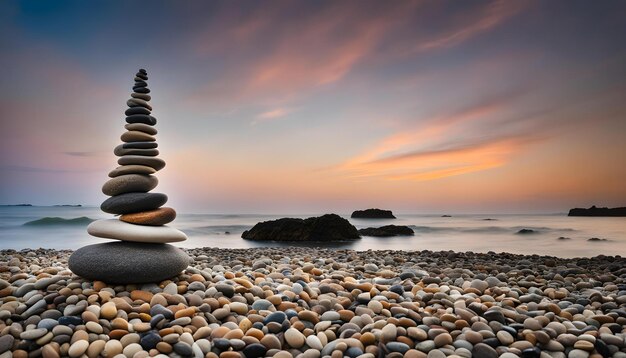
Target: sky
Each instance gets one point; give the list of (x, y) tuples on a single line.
[(321, 106)]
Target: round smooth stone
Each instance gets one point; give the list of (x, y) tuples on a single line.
[(140, 83), (141, 70), (156, 163), (160, 216), (136, 136), (142, 127), (119, 230), (120, 151), (133, 203), (128, 262), (294, 338), (141, 118), (141, 89), (136, 102), (129, 183), (483, 350), (145, 97), (131, 169), (141, 76), (136, 110), (140, 145)]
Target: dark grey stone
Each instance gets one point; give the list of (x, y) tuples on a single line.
[(145, 97), (156, 163), (47, 323), (494, 315), (158, 309), (226, 290), (130, 183), (69, 320), (37, 308), (143, 71), (183, 349), (141, 90), (62, 339), (136, 110), (133, 203), (482, 350), (6, 342), (140, 145), (254, 350), (354, 352), (131, 169), (128, 262), (120, 151), (155, 320), (141, 127), (150, 340), (141, 118), (134, 102), (141, 76), (277, 317)]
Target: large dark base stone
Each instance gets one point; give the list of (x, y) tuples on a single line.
[(128, 262)]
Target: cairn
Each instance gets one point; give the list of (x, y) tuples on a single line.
[(143, 253)]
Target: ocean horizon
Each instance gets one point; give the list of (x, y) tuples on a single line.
[(553, 234)]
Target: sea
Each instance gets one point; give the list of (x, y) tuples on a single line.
[(552, 234)]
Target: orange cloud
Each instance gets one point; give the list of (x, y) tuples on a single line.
[(437, 164), (442, 146)]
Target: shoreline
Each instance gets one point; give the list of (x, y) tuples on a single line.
[(313, 302), (331, 248)]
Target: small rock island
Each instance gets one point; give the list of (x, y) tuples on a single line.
[(387, 231), (325, 228), (595, 211), (372, 214)]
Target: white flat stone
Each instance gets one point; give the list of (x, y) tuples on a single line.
[(119, 230)]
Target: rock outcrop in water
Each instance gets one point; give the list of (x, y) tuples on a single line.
[(54, 221), (142, 253), (594, 211), (387, 231), (325, 228), (372, 214)]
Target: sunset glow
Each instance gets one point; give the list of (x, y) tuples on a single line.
[(322, 106)]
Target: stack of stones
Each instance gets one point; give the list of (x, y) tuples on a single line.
[(142, 254)]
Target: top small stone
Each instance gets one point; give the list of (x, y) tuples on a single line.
[(141, 70)]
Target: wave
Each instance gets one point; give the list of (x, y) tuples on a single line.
[(56, 221), (217, 229), (486, 229)]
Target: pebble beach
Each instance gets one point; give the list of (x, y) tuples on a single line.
[(304, 302)]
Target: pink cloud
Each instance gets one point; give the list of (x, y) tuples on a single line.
[(318, 49), (271, 115), (491, 16)]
